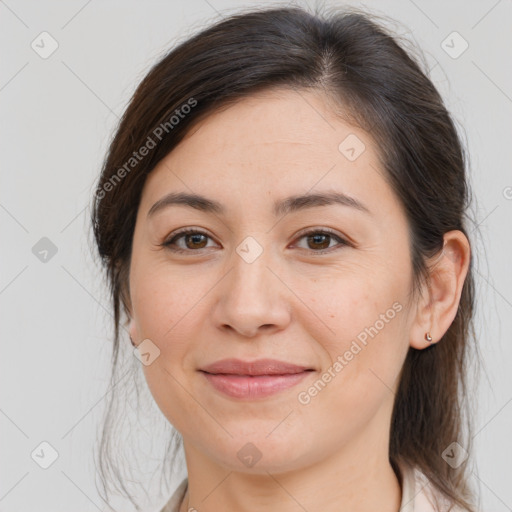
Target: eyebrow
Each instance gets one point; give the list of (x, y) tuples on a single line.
[(281, 207)]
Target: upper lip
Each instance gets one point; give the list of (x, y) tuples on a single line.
[(259, 367)]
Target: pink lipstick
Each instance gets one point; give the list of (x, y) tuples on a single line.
[(253, 379)]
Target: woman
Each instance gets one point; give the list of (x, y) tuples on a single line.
[(281, 218)]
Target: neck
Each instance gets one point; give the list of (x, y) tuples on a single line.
[(345, 481)]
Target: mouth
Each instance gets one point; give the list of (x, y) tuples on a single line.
[(253, 379)]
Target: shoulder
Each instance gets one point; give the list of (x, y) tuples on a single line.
[(173, 505), (420, 495)]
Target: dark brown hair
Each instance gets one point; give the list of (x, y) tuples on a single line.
[(377, 85)]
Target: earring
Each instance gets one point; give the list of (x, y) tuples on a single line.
[(428, 337)]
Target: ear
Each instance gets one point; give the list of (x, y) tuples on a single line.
[(131, 323), (439, 303), (127, 306), (133, 331)]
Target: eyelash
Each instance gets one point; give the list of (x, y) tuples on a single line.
[(189, 231)]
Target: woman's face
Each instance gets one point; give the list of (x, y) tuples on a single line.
[(261, 279)]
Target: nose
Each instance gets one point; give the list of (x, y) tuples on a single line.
[(252, 299)]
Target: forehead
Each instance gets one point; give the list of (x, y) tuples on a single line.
[(277, 142), (304, 121)]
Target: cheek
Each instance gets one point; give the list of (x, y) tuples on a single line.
[(357, 307), (360, 325), (164, 302), (173, 397), (166, 306)]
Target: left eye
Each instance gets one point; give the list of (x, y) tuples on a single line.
[(194, 239), (322, 239)]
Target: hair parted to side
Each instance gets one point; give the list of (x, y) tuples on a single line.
[(371, 81)]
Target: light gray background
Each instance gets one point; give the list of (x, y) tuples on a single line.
[(57, 115)]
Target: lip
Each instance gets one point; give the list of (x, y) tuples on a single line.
[(253, 379), (254, 368)]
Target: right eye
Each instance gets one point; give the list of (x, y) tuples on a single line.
[(194, 240)]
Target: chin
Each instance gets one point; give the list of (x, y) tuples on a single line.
[(259, 455)]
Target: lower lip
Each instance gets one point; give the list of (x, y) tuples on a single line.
[(246, 386)]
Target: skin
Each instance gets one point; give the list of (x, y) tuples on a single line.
[(291, 304)]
